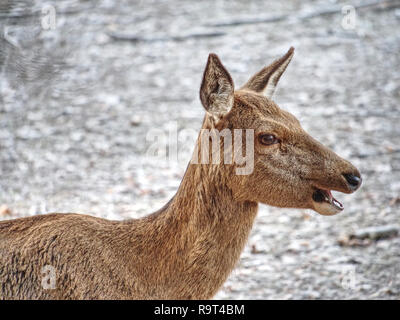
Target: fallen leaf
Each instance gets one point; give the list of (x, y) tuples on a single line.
[(5, 210)]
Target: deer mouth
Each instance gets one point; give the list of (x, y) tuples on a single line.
[(325, 203)]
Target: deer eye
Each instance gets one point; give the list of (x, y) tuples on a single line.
[(268, 139)]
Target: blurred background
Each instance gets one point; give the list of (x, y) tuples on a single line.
[(82, 83)]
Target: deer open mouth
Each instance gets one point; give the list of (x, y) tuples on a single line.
[(325, 203)]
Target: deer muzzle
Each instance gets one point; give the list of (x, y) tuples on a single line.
[(323, 200)]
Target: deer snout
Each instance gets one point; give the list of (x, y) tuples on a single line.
[(353, 180), (335, 173), (347, 176)]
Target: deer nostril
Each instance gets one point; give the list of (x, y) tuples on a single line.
[(353, 181)]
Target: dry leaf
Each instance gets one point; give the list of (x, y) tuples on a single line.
[(5, 210)]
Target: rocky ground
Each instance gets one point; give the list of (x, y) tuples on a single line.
[(82, 95)]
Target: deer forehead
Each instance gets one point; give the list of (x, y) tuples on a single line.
[(256, 111)]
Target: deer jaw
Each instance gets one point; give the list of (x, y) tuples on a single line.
[(291, 169)]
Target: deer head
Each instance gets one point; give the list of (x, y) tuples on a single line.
[(291, 169)]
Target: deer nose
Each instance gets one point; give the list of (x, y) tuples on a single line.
[(354, 181)]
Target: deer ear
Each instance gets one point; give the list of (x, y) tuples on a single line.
[(216, 91), (266, 79)]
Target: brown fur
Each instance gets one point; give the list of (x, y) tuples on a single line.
[(187, 249)]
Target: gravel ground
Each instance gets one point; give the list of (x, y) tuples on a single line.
[(79, 103)]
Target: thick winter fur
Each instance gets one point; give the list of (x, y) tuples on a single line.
[(187, 249)]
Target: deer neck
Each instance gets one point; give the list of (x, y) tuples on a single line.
[(205, 230)]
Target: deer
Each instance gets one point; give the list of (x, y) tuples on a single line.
[(188, 248)]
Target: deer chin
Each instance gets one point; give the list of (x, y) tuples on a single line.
[(325, 204)]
